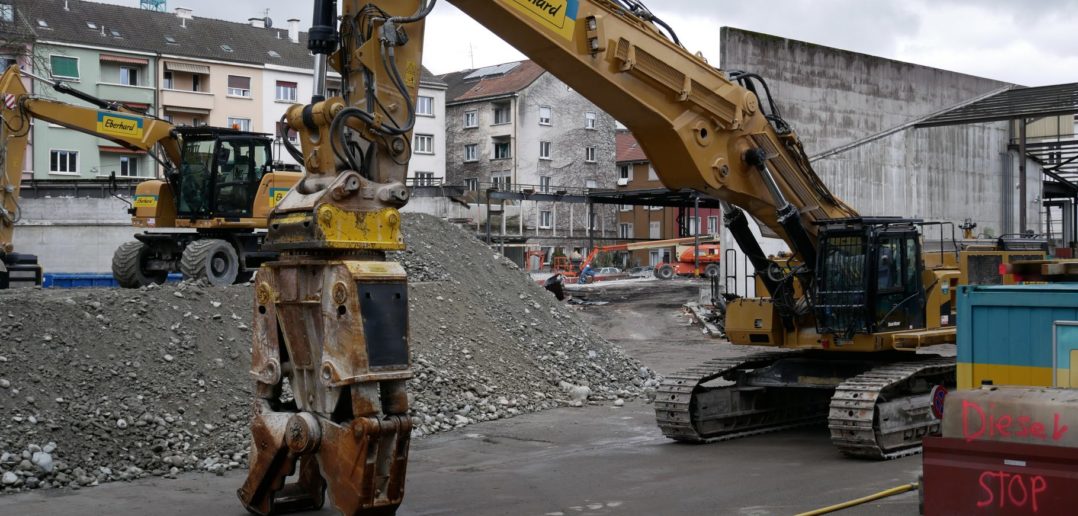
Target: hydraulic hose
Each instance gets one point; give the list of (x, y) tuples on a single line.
[(852, 503)]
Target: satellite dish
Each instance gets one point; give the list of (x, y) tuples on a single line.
[(269, 22)]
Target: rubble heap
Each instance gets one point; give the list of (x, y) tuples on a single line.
[(99, 385)]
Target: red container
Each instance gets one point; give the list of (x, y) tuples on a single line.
[(998, 478)]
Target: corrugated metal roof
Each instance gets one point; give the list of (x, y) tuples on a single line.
[(1017, 102)]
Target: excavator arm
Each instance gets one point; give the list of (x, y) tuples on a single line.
[(700, 129), (109, 120)]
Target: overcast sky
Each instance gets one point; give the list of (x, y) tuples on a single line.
[(1030, 42)]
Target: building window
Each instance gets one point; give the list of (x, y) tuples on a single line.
[(589, 120), (471, 152), (128, 166), (546, 219), (625, 173), (544, 115), (713, 225), (239, 86), (243, 124), (7, 13), (424, 178), (502, 182), (502, 115), (625, 230), (625, 207), (166, 83), (333, 92), (129, 76), (424, 106), (544, 150), (471, 119), (64, 162), (654, 208), (544, 184), (591, 183), (501, 150), (694, 222), (472, 183), (424, 144), (589, 154), (64, 67), (286, 91), (655, 229), (652, 176), (196, 83)]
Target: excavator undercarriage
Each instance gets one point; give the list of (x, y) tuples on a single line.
[(876, 408)]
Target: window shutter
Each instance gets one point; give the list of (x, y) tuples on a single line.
[(235, 81)]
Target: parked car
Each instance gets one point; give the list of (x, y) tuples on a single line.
[(608, 271)]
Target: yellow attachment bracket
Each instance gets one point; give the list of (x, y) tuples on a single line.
[(380, 230)]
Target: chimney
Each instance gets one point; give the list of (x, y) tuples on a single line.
[(183, 13), (293, 30), (259, 23)]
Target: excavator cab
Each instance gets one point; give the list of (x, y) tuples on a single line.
[(220, 172), (868, 277)]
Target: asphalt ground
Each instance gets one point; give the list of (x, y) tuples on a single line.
[(596, 460)]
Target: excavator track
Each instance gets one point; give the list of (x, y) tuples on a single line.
[(684, 412), (885, 412)]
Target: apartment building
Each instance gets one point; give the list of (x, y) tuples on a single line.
[(16, 49), (515, 127), (516, 124), (427, 166), (635, 173), (186, 69)]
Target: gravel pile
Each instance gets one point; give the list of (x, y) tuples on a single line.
[(103, 385)]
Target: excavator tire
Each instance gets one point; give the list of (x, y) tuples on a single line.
[(711, 270), (665, 272), (213, 260), (128, 266)]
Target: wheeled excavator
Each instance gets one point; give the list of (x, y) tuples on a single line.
[(845, 313), (217, 192)]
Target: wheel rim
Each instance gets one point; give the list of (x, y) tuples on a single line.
[(218, 265)]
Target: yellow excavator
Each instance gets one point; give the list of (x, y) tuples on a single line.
[(218, 187), (846, 312)]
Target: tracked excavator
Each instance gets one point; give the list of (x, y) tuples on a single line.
[(218, 182), (844, 314)]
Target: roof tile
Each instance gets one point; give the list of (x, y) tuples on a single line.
[(627, 148)]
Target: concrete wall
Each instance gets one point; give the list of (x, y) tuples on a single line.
[(73, 234), (834, 98)]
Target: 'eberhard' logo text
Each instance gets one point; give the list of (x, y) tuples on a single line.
[(549, 8), (117, 124)]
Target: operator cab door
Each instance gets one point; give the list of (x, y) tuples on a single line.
[(899, 299), (239, 165), (193, 180)]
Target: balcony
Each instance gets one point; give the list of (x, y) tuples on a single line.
[(125, 93), (182, 99)]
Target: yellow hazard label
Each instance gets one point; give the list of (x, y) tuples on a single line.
[(145, 201), (411, 74), (119, 125), (276, 195), (557, 15)]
